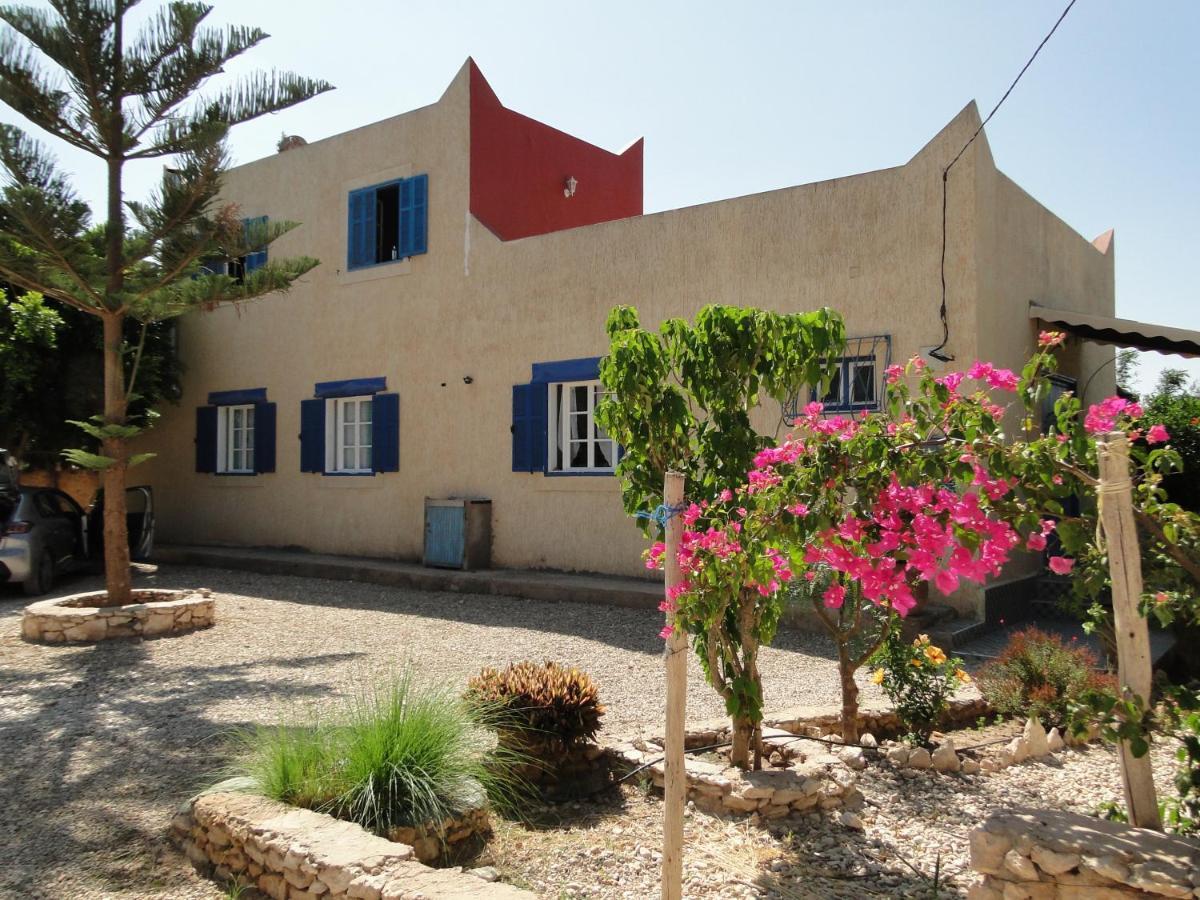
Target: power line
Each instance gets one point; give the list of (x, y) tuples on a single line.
[(936, 351)]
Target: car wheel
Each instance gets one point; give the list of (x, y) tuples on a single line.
[(42, 577)]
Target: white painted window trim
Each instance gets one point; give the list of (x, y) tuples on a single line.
[(559, 429), (225, 440), (852, 367), (335, 438)]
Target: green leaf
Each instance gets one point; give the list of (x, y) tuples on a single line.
[(85, 460)]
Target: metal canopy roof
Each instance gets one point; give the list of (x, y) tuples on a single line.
[(1122, 332)]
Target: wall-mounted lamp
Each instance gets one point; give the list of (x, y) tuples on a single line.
[(467, 379), (569, 186)]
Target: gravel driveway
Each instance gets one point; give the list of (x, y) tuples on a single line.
[(98, 744)]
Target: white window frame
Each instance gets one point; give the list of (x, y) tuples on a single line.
[(852, 366), (226, 432), (335, 442), (558, 429)]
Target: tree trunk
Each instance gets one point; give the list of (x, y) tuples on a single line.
[(849, 697), (116, 529), (743, 732)]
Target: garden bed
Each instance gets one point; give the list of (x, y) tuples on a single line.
[(90, 617)]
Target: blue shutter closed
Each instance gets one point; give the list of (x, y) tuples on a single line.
[(206, 439), (385, 433), (414, 205), (529, 424), (264, 437), (312, 435), (255, 230), (360, 242)]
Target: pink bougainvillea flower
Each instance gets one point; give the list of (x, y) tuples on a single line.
[(1157, 434), (980, 371), (725, 496), (1051, 338), (1036, 541), (1102, 416), (1048, 525), (691, 514), (798, 509), (835, 596), (1061, 565), (918, 363), (893, 373), (952, 381), (1003, 380), (947, 582), (814, 409), (667, 632)]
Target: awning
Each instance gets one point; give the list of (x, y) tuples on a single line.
[(1122, 332)]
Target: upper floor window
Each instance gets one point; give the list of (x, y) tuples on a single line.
[(254, 232), (387, 222), (577, 442)]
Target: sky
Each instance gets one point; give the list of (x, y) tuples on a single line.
[(736, 98)]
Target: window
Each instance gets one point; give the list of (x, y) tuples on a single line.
[(853, 386), (235, 433), (577, 442), (235, 439), (353, 436), (254, 232), (387, 222)]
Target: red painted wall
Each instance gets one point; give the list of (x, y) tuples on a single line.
[(519, 166)]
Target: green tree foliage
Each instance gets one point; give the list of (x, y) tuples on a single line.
[(681, 399), (51, 362), (75, 72), (1176, 406)]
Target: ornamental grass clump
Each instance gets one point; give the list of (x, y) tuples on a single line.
[(919, 678), (545, 703), (1038, 675), (400, 755)]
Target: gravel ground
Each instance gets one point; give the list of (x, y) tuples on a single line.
[(99, 744)]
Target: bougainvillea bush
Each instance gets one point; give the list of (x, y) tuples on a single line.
[(929, 492)]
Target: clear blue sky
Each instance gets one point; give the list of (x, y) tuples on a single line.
[(735, 98)]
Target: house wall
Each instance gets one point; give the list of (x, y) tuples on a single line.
[(479, 307)]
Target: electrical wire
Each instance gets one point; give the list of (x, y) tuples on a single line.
[(936, 352)]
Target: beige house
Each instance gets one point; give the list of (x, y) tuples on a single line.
[(446, 345)]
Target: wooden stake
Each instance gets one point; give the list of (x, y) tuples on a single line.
[(1133, 636), (675, 776)]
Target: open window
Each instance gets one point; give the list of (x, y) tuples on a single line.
[(387, 222)]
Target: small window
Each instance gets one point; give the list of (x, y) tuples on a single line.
[(235, 439), (577, 442), (862, 382), (387, 222), (352, 421), (853, 387)]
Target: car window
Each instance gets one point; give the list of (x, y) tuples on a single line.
[(44, 503), (66, 505)]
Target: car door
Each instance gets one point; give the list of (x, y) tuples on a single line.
[(139, 520), (58, 530)]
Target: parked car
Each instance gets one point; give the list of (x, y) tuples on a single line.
[(43, 532)]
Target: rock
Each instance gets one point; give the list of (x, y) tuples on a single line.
[(1034, 735), (1017, 750), (1020, 866), (852, 820), (868, 741), (898, 755), (970, 767), (1053, 863), (853, 757), (1054, 740), (988, 850), (982, 891), (919, 758), (740, 804), (1106, 867), (944, 759)]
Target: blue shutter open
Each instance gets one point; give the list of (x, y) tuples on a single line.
[(414, 206), (312, 435), (264, 437), (255, 228), (385, 433), (206, 439), (360, 242), (529, 425)]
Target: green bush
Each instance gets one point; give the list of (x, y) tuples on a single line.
[(400, 755), (543, 703), (918, 678), (1038, 675)]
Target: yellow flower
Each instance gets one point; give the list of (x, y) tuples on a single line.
[(962, 676), (916, 662), (922, 639), (877, 676), (935, 655)]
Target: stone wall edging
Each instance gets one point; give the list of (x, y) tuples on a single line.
[(290, 853), (54, 622)]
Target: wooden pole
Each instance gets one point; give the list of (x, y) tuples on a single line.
[(675, 776), (1133, 637)]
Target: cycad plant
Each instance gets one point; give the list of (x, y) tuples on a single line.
[(75, 72)]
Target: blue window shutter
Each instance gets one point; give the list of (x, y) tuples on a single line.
[(529, 424), (385, 433), (360, 243), (258, 258), (312, 435), (206, 439), (414, 215), (264, 437)]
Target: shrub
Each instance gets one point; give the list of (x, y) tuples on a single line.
[(918, 678), (1038, 675), (547, 702), (402, 755)]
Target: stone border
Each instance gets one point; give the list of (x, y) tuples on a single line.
[(55, 622), (442, 840), (297, 854), (1055, 855)]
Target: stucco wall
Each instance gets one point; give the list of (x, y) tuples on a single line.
[(867, 245)]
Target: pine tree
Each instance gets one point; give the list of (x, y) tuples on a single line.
[(75, 73)]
